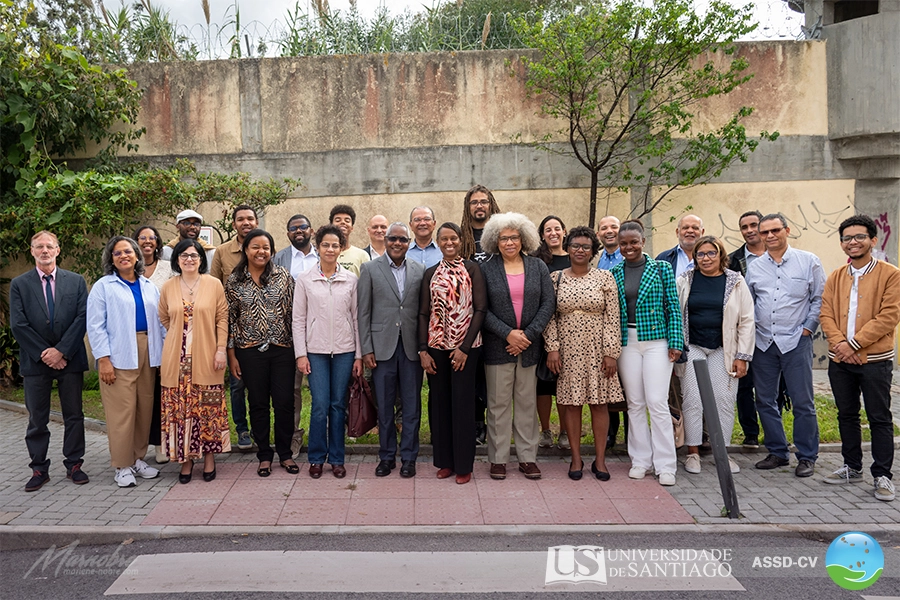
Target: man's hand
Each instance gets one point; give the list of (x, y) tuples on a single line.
[(844, 352), (51, 356), (369, 360)]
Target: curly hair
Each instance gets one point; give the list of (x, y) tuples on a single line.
[(528, 233), (861, 220), (467, 248), (157, 254), (582, 231), (109, 268), (331, 230)]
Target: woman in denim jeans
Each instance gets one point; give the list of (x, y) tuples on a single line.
[(326, 345)]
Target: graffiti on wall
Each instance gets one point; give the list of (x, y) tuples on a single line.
[(812, 219), (884, 227)]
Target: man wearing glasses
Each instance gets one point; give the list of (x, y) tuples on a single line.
[(424, 251), (298, 258), (188, 224), (786, 285), (860, 312)]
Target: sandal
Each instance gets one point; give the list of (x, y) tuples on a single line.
[(264, 471), (292, 468)]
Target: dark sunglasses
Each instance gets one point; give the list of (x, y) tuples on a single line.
[(397, 238)]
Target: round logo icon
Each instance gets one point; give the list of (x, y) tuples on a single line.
[(854, 560)]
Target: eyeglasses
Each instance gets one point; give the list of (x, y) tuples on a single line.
[(479, 202), (710, 254), (190, 223), (422, 220), (189, 256), (585, 247), (119, 253), (508, 238), (775, 231), (859, 237), (293, 228), (147, 238), (397, 238)]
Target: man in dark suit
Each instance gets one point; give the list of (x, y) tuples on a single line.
[(47, 307), (388, 296)]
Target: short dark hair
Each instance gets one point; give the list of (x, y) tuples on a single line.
[(631, 225), (299, 216), (180, 248), (159, 245), (106, 260), (775, 217), (451, 226), (864, 220), (331, 230), (240, 271), (582, 231), (241, 207), (342, 209), (751, 213)]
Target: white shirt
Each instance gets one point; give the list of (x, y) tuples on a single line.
[(854, 296), (300, 263)]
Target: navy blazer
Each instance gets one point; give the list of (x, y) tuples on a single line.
[(31, 325), (537, 310), (670, 256)]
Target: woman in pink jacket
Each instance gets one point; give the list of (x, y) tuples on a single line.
[(327, 349)]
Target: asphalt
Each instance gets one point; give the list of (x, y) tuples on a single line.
[(99, 512)]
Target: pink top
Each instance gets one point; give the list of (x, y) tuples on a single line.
[(517, 294)]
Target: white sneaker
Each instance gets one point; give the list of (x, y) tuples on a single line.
[(734, 466), (667, 479), (161, 457), (637, 472), (884, 489), (125, 477), (145, 471), (692, 463)]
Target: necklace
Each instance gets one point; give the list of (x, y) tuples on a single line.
[(190, 289)]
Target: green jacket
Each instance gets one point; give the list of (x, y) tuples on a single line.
[(657, 312)]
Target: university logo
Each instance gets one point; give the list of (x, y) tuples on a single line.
[(575, 564), (854, 560)]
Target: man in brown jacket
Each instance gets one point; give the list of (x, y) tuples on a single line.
[(860, 312)]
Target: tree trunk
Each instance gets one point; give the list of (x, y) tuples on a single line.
[(592, 216)]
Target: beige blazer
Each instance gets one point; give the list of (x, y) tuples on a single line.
[(210, 330)]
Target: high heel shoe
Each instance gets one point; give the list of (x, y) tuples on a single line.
[(186, 477), (576, 475), (601, 475), (209, 476)]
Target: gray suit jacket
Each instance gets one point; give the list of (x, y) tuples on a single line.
[(383, 316), (31, 324), (283, 258)]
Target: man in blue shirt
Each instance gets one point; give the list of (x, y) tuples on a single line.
[(786, 285), (423, 249), (689, 230), (608, 232)]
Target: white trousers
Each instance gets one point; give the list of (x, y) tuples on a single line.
[(644, 370), (724, 388)]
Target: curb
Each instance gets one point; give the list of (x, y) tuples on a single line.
[(26, 537)]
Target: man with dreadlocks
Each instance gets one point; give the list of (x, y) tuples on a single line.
[(477, 209)]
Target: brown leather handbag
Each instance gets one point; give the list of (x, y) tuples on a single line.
[(363, 414)]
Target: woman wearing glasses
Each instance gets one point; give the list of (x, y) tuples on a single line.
[(260, 295), (126, 339), (193, 309), (717, 309)]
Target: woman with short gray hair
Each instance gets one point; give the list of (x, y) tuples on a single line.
[(512, 328)]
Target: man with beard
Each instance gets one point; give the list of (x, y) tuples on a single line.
[(188, 224), (377, 229), (297, 258), (351, 257), (424, 250)]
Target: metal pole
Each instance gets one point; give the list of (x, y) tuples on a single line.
[(714, 427)]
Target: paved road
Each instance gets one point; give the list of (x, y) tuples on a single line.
[(392, 566)]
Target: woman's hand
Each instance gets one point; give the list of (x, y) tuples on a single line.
[(303, 365), (609, 366), (106, 370), (220, 360), (674, 354), (554, 362), (517, 342), (739, 368), (357, 367), (427, 362), (458, 359)]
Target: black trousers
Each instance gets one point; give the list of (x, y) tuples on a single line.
[(873, 380), (746, 405), (451, 410), (37, 400), (156, 417), (266, 375)]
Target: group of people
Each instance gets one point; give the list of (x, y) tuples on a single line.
[(481, 308)]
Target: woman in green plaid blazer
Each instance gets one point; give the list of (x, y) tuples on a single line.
[(652, 341)]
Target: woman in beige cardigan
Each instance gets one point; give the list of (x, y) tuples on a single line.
[(193, 309)]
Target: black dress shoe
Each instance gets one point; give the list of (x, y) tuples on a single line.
[(385, 467), (408, 469), (601, 475), (772, 462), (209, 476), (37, 481), (77, 476), (576, 475), (805, 468), (185, 478)]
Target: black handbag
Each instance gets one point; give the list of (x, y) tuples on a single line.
[(543, 371)]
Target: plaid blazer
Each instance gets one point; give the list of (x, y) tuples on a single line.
[(658, 312)]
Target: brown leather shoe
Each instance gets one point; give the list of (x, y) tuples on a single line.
[(531, 470), (461, 479), (339, 471), (315, 471), (498, 471), (444, 473)]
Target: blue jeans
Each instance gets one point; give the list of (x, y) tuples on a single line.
[(796, 367), (329, 380)]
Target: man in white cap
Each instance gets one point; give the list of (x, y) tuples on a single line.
[(188, 224)]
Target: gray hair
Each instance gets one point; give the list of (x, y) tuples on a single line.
[(497, 223), (683, 217), (428, 208), (773, 217), (399, 224), (109, 268)]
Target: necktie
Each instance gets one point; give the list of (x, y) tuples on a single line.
[(50, 303)]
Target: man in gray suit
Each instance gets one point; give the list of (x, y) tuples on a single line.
[(47, 307), (388, 296)]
